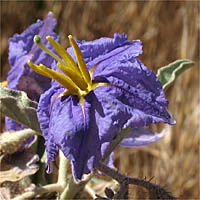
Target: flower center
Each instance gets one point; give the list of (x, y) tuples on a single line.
[(77, 79)]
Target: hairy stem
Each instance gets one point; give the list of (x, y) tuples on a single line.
[(90, 191), (40, 190), (155, 191), (74, 188), (63, 166)]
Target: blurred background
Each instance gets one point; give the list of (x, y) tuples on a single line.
[(169, 31)]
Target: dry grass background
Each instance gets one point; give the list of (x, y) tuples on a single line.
[(169, 31)]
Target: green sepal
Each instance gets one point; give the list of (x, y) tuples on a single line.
[(16, 105), (169, 73)]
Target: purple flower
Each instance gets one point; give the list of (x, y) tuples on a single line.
[(21, 49), (116, 91), (141, 137)]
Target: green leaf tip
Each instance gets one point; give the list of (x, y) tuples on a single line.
[(37, 39), (168, 74)]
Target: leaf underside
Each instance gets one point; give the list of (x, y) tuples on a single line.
[(168, 74)]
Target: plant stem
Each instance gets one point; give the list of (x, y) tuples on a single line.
[(63, 166), (155, 191), (40, 190), (120, 136), (90, 191), (74, 188)]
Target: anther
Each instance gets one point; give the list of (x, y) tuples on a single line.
[(62, 79), (81, 63), (63, 53)]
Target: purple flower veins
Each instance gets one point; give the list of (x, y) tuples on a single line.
[(99, 87)]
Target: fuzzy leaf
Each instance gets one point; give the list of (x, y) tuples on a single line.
[(19, 165), (16, 105), (169, 73)]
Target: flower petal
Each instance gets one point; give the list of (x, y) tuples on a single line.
[(12, 125), (22, 48), (138, 90), (80, 137), (141, 137), (130, 110), (97, 50)]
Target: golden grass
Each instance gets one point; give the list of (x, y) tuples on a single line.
[(169, 31)]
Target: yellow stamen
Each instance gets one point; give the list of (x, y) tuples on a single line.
[(37, 69), (4, 83), (81, 63), (92, 69), (96, 85), (62, 79), (77, 79), (63, 53)]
